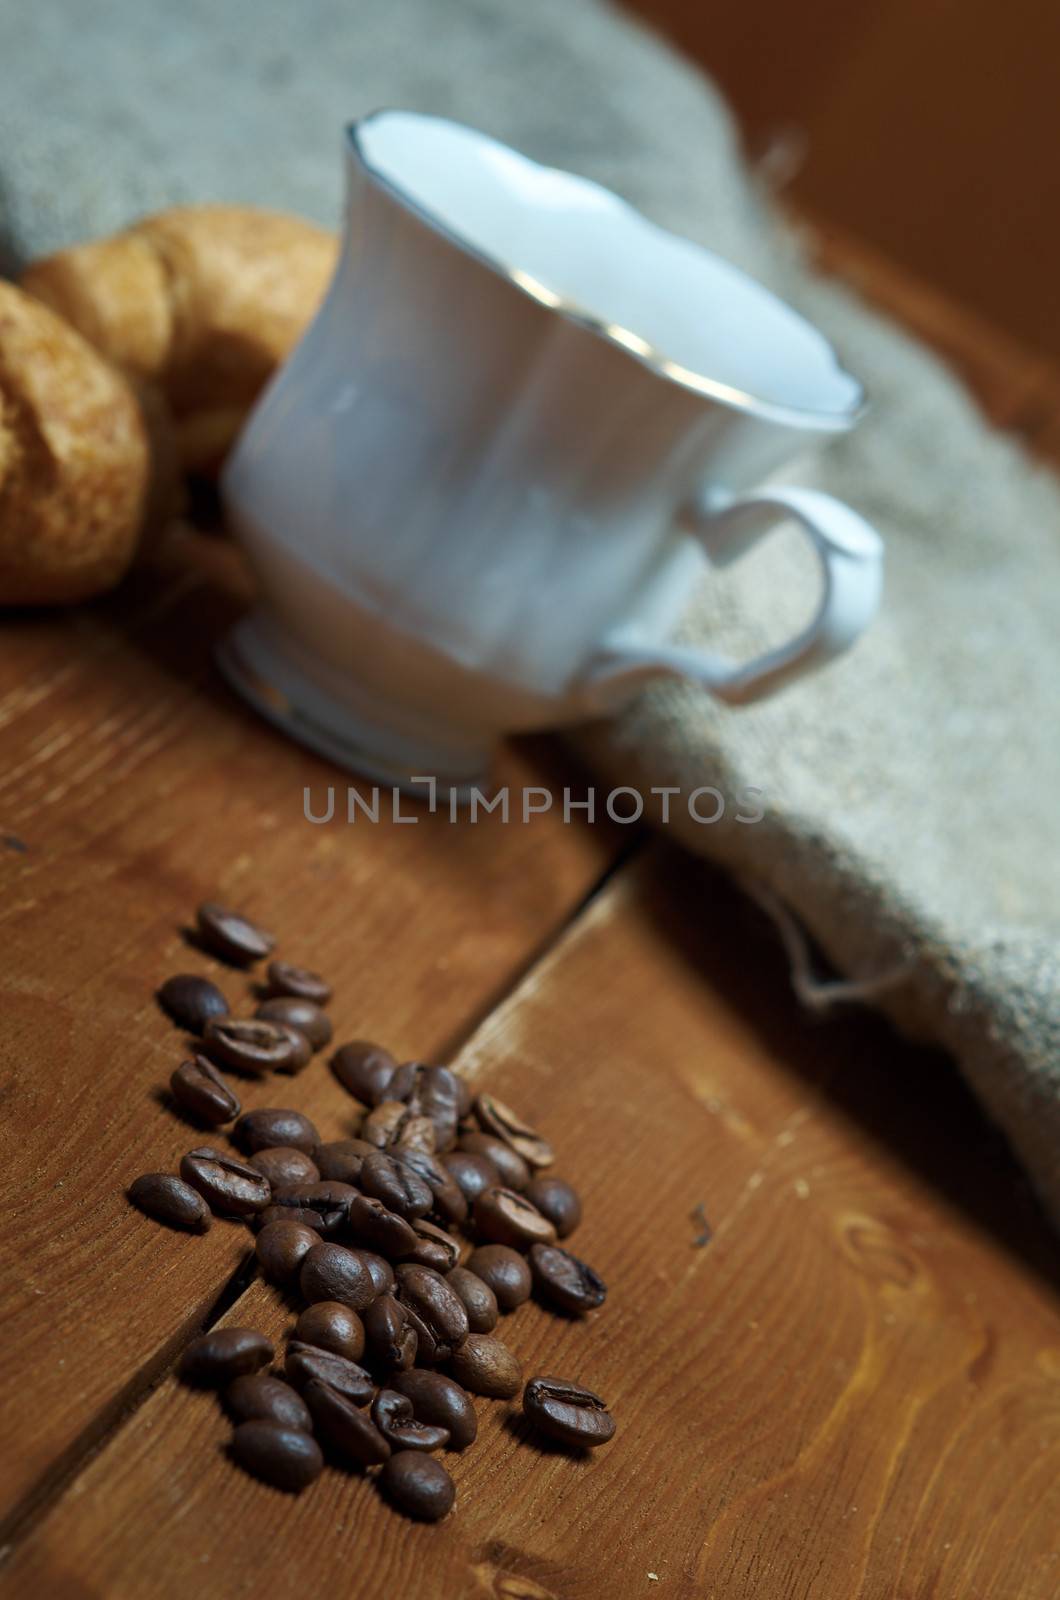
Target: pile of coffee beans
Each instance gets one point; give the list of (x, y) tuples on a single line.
[(406, 1242)]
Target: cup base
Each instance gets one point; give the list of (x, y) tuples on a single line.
[(346, 723)]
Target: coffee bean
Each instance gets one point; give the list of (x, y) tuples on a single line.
[(281, 1247), (269, 1127), (393, 1415), (504, 1217), (418, 1485), (331, 1272), (437, 1311), (305, 1216), (192, 1001), (324, 1195), (568, 1412), (396, 1185), (448, 1204), (301, 1049), (381, 1271), (301, 1014), (515, 1174), (284, 1165), (564, 1281), (342, 1158), (217, 1358), (486, 1366), (435, 1247), (390, 1335), (383, 1126), (288, 1458), (365, 1070), (332, 1326), (438, 1400), (259, 1397), (372, 1225), (472, 1173), (299, 982), (349, 1433), (480, 1302), (504, 1271), (495, 1118), (170, 1200), (247, 1045), (229, 1186), (416, 1133), (432, 1092), (231, 936), (307, 1363), (557, 1201), (199, 1089)]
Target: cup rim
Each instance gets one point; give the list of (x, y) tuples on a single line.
[(613, 333)]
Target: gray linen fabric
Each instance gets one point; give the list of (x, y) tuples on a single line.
[(911, 789)]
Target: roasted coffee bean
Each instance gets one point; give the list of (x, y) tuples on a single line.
[(170, 1200), (305, 1216), (272, 1126), (381, 1270), (564, 1281), (568, 1412), (365, 1070), (299, 982), (246, 1045), (259, 1397), (231, 936), (504, 1271), (435, 1248), (219, 1357), (472, 1173), (418, 1485), (191, 1001), (437, 1311), (515, 1174), (383, 1126), (302, 1050), (199, 1089), (372, 1225), (348, 1432), (307, 1363), (393, 1415), (396, 1185), (432, 1092), (332, 1326), (437, 1399), (495, 1118), (557, 1201), (390, 1335), (480, 1302), (504, 1217), (284, 1166), (229, 1186), (416, 1133), (304, 1015), (332, 1272), (324, 1195), (288, 1458), (342, 1158), (281, 1247), (448, 1203), (486, 1366)]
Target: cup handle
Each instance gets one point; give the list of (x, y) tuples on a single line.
[(850, 553)]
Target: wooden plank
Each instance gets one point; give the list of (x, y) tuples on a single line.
[(132, 786), (851, 1391)]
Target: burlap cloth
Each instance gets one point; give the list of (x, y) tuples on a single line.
[(911, 789)]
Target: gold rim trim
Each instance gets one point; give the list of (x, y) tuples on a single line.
[(642, 350)]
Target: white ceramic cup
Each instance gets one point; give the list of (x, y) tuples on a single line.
[(477, 495)]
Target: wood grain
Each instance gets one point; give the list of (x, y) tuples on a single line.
[(853, 1390), (133, 785)]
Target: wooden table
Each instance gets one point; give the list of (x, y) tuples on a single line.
[(853, 1390)]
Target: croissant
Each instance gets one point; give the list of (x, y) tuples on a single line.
[(85, 461), (201, 301)]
